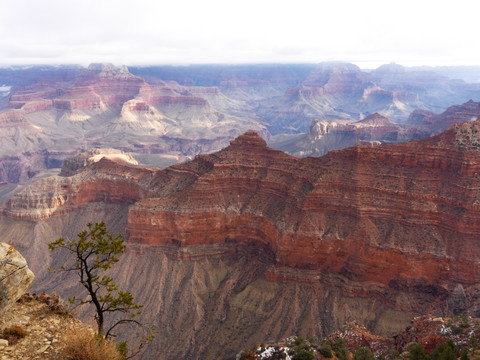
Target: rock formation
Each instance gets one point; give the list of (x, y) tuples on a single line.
[(326, 134), (468, 111), (103, 106), (165, 115), (427, 331), (251, 243), (15, 277), (343, 91), (40, 327), (72, 166)]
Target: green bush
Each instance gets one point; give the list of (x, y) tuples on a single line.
[(303, 354), (464, 355), (325, 350), (340, 349), (416, 352), (363, 353), (298, 341), (393, 354), (443, 352)]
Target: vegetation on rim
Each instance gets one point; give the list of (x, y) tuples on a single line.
[(95, 251)]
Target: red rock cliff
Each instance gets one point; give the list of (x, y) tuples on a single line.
[(252, 242), (393, 215)]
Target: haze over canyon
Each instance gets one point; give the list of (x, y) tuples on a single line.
[(257, 201)]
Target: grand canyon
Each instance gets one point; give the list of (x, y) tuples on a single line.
[(164, 115), (256, 205)]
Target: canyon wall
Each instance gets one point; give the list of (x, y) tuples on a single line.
[(251, 243)]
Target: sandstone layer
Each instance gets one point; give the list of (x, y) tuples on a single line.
[(103, 106), (170, 114), (251, 243), (327, 134)]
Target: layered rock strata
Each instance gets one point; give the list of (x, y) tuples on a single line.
[(326, 134), (343, 91), (468, 111), (251, 243), (103, 106)]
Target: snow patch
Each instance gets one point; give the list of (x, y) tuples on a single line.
[(270, 351), (445, 330)]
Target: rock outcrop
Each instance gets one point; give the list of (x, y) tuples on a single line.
[(455, 114), (254, 242), (40, 327), (15, 276), (326, 134), (427, 331), (72, 166)]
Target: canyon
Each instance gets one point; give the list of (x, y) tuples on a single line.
[(251, 243), (48, 120), (168, 114)]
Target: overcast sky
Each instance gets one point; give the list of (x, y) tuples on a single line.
[(365, 32)]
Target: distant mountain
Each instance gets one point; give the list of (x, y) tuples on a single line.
[(325, 135), (343, 91), (168, 114), (469, 74), (103, 106), (455, 114)]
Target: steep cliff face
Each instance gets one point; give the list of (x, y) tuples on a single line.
[(364, 196), (19, 144), (251, 243), (325, 135), (468, 111)]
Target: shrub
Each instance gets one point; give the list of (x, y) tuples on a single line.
[(456, 330), (298, 341), (443, 352), (13, 334), (393, 354), (15, 330), (416, 352), (340, 348), (303, 354), (363, 353), (325, 350), (464, 355), (81, 344)]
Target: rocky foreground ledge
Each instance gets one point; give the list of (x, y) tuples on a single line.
[(39, 329), (15, 277)]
